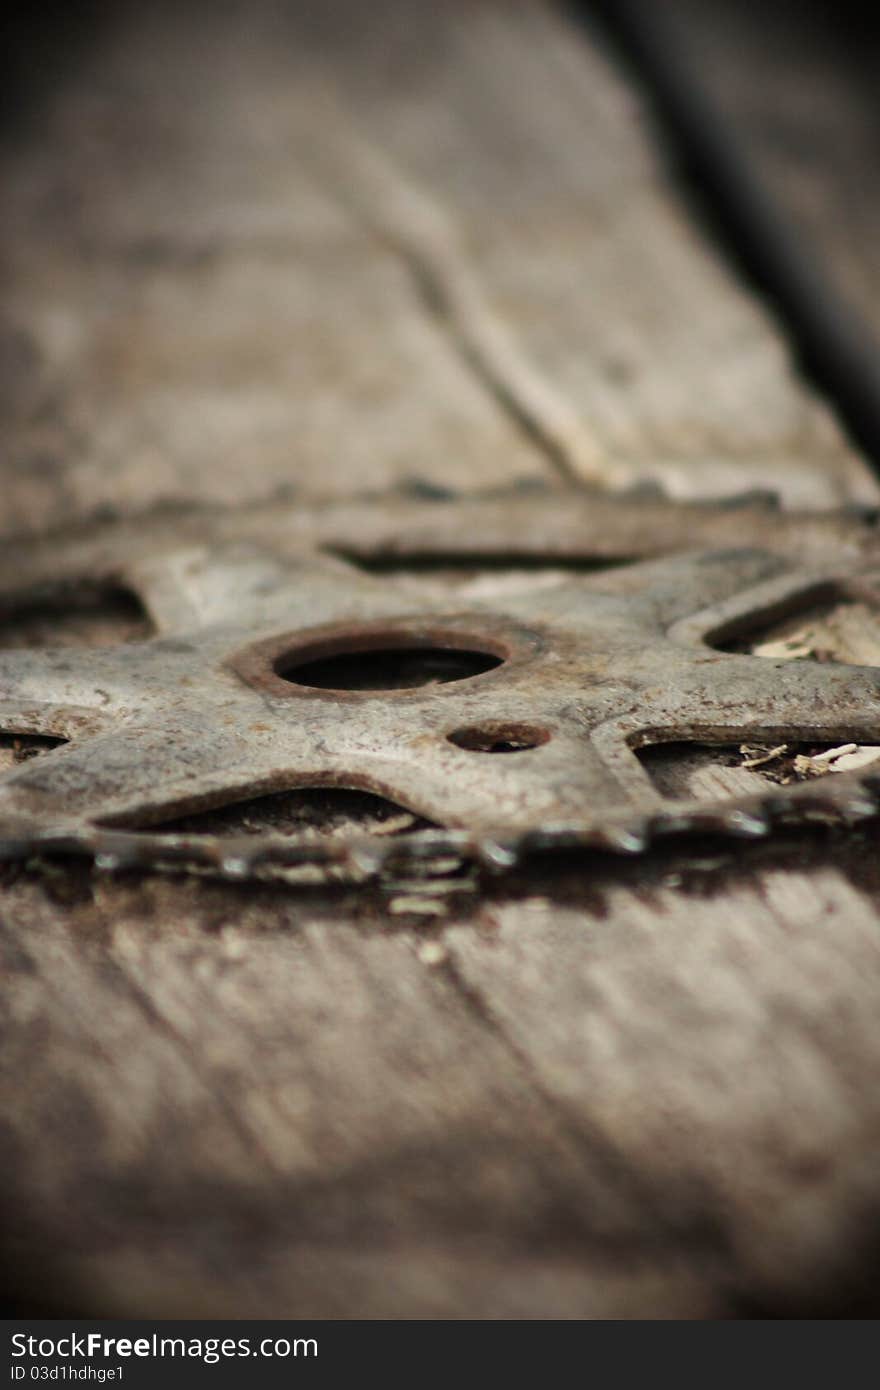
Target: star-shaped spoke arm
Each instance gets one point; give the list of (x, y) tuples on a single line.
[(135, 775), (535, 728), (791, 702), (496, 793), (655, 594), (795, 701), (64, 692), (649, 627), (239, 585), (763, 697)]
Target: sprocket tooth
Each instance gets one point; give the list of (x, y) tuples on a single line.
[(745, 823), (217, 716), (683, 822), (623, 839)]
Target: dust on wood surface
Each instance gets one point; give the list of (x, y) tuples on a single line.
[(264, 252), (327, 247)]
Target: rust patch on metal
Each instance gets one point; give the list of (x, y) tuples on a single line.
[(234, 696), (272, 664)]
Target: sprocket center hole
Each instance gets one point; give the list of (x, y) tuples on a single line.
[(385, 667)]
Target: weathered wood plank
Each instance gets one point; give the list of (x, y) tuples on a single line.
[(606, 1091), (721, 1045), (796, 83), (299, 247), (511, 151), (220, 1083), (646, 1094), (190, 315)]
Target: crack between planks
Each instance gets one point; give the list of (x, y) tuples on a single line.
[(424, 239), (832, 344)]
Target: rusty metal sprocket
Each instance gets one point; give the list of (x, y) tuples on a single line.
[(525, 740)]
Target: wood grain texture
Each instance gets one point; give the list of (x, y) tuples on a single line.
[(312, 246), (194, 317), (546, 183), (227, 1083), (290, 247), (797, 85), (710, 1044), (606, 1094)]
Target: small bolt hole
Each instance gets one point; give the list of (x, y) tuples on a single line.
[(500, 738)]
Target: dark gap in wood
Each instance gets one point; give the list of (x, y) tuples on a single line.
[(20, 748), (85, 615), (463, 565), (323, 810), (41, 44), (834, 345), (670, 766), (435, 295), (748, 640)]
